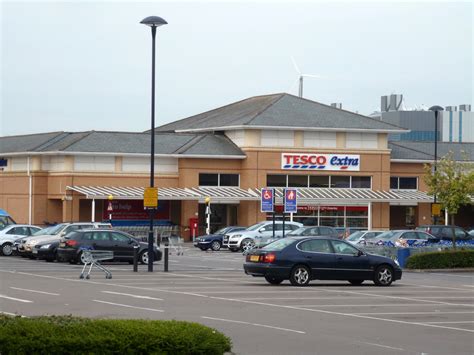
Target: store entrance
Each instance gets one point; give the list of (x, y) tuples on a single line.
[(403, 217), (222, 215)]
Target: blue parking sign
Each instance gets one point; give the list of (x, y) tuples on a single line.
[(290, 200), (267, 200)]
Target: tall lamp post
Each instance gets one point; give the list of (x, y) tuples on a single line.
[(436, 110), (153, 22)]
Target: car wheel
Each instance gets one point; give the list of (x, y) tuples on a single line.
[(247, 245), (143, 257), (7, 249), (356, 282), (383, 276), (233, 250), (300, 276), (273, 280), (216, 245)]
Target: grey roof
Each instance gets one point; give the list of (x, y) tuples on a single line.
[(278, 110), (120, 142), (425, 150)]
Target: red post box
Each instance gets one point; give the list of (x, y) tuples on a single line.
[(193, 227)]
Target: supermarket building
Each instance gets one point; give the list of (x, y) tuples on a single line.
[(347, 173)]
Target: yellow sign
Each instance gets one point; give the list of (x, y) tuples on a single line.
[(150, 197), (436, 209)]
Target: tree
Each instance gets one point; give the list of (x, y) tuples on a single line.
[(453, 184)]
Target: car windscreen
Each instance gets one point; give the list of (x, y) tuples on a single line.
[(388, 235), (222, 230), (50, 230), (298, 231), (355, 236), (255, 226), (279, 244)]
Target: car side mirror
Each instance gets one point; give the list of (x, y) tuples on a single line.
[(360, 253), (261, 230)]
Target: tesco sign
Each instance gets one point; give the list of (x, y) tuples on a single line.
[(314, 161)]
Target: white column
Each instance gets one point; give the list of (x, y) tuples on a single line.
[(30, 192), (369, 215), (291, 217), (446, 217), (93, 210)]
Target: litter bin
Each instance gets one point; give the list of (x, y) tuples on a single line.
[(402, 256)]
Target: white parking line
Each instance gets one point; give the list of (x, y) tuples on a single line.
[(255, 324), (16, 299), (335, 298), (380, 345), (128, 306), (379, 305), (12, 314), (405, 313), (469, 321), (134, 296), (450, 275), (35, 291)]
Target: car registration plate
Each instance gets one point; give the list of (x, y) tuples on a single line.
[(62, 245), (254, 258), (35, 251)]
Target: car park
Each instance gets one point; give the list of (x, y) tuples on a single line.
[(257, 235), (53, 233), (71, 247), (361, 237), (215, 241), (446, 232), (315, 231), (403, 238), (12, 232), (302, 259), (46, 250)]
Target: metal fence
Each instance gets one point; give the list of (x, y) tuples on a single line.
[(141, 232)]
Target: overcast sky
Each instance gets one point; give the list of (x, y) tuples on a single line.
[(74, 66)]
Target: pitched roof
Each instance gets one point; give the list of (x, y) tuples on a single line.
[(121, 142), (276, 111), (425, 150)]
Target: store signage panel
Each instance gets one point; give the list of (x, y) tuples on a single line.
[(314, 161), (290, 200), (267, 200), (133, 210)]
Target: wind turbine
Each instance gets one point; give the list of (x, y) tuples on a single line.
[(301, 76)]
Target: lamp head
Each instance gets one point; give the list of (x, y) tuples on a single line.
[(153, 21), (436, 108), (110, 198), (207, 200)]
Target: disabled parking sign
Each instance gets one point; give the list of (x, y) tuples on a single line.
[(267, 200), (290, 200)]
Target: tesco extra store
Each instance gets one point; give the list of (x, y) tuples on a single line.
[(346, 171)]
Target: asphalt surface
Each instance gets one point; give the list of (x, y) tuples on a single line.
[(424, 313)]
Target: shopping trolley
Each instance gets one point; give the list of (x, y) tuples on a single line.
[(92, 258), (175, 243)]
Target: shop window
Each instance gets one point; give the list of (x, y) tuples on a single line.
[(359, 211), (229, 180), (361, 182), (394, 183), (407, 183), (319, 181), (340, 181), (208, 179), (297, 181), (276, 180)]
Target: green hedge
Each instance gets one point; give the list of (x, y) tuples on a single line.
[(72, 335), (442, 260)]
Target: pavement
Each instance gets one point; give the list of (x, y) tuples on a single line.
[(424, 313)]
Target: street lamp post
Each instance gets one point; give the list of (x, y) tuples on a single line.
[(436, 110), (153, 22)]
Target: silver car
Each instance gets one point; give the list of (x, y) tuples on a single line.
[(403, 238), (11, 233), (362, 237)]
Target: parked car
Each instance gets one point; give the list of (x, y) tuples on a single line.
[(361, 237), (344, 232), (46, 250), (10, 233), (315, 231), (403, 238), (214, 241), (257, 235), (71, 247), (54, 233), (302, 259), (446, 232)]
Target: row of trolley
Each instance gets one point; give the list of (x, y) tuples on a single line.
[(95, 258)]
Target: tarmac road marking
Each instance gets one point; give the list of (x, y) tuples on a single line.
[(460, 322), (406, 313), (134, 296), (255, 324), (13, 314), (35, 291), (379, 305), (128, 306), (443, 287), (380, 345), (16, 299)]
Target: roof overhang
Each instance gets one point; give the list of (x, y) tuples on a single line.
[(284, 128), (145, 155)]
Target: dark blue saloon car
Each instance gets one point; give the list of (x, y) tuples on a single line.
[(214, 241)]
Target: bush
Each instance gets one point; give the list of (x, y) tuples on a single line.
[(442, 260), (73, 335)]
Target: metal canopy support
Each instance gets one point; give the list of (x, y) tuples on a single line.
[(369, 215), (93, 210), (446, 217)]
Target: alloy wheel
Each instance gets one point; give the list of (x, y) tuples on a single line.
[(247, 245), (384, 276), (216, 246), (144, 257), (7, 249)]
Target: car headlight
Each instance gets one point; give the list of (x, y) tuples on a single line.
[(396, 262), (46, 246), (33, 242)]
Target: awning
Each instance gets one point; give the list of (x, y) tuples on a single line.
[(217, 194), (306, 196), (317, 196)]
